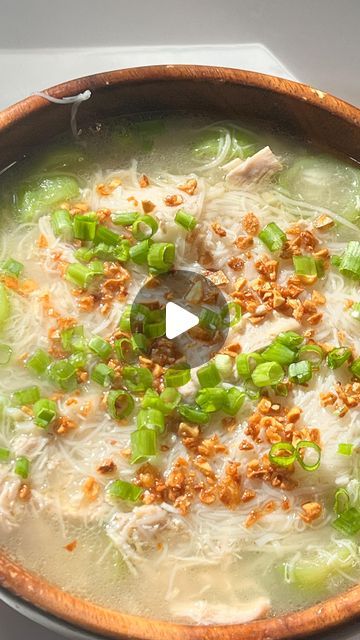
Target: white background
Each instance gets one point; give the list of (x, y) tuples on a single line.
[(43, 42)]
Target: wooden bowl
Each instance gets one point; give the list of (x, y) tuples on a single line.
[(294, 108)]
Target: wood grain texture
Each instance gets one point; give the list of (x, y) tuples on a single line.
[(223, 93)]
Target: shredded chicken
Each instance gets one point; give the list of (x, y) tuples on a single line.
[(134, 530), (205, 612), (242, 173)]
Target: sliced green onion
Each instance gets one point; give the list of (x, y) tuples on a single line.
[(125, 218), (143, 445), (308, 444), (208, 375), (335, 261), (139, 252), (125, 324), (165, 402), (313, 353), (341, 501), (102, 374), (137, 379), (151, 419), (337, 357), (12, 267), (272, 237), (209, 319), (122, 251), (231, 314), (63, 374), (224, 365), (305, 266), (122, 490), (300, 372), (4, 455), (170, 399), (84, 227), (79, 274), (155, 329), (278, 352), (283, 454), (290, 339), (120, 404), (185, 220), (178, 375), (4, 305), (355, 368), (106, 236), (246, 363), (193, 413), (124, 349), (141, 313), (62, 225), (96, 267), (211, 400), (5, 353), (28, 395), (267, 374), (44, 412), (161, 256), (84, 254), (22, 467), (100, 347), (73, 339), (234, 401), (345, 449), (140, 343), (350, 261), (144, 227), (78, 359), (348, 522)]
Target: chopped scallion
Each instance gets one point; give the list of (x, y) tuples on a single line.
[(44, 412), (120, 404), (100, 347), (28, 395), (177, 376), (22, 467), (185, 220), (273, 237), (143, 445), (345, 449), (122, 490), (300, 372), (337, 357), (267, 374), (102, 374), (84, 227)]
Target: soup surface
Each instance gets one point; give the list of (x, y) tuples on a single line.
[(211, 495)]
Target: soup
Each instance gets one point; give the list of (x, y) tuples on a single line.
[(214, 494)]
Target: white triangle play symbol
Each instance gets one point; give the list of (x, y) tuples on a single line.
[(178, 320)]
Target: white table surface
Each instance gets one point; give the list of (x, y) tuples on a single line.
[(43, 42)]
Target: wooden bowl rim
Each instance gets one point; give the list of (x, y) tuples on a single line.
[(86, 615)]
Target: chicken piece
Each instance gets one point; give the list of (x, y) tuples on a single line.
[(205, 612), (29, 445), (242, 173), (139, 528), (9, 489)]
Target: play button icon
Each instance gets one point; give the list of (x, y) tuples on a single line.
[(179, 317), (178, 320)]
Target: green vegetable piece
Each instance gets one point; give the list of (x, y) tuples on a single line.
[(48, 193)]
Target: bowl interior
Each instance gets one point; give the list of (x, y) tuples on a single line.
[(220, 93)]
